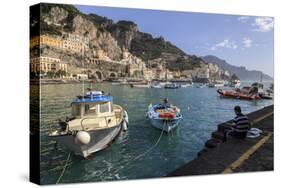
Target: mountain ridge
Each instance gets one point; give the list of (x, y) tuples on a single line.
[(242, 72)]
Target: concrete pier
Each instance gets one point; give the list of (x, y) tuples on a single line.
[(234, 155)]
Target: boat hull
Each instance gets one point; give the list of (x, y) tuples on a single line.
[(164, 124), (100, 139), (240, 96)]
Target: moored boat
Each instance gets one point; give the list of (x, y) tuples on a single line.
[(158, 86), (238, 95), (141, 85), (164, 117), (186, 85), (94, 124), (200, 85), (172, 86), (266, 95)]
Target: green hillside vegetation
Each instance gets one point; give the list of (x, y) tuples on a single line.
[(151, 48)]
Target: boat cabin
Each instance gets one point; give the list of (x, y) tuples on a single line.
[(93, 105), (259, 86)]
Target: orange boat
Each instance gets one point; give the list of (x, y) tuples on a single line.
[(238, 95)]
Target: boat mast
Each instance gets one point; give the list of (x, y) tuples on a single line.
[(165, 64)]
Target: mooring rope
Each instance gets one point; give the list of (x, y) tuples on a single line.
[(146, 152), (62, 173)]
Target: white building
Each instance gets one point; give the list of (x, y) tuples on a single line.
[(75, 43)]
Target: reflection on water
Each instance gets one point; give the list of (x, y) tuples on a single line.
[(201, 108)]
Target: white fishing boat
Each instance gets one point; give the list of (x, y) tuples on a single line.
[(172, 86), (94, 124), (235, 83), (186, 85), (141, 85), (164, 117), (200, 85), (158, 86)]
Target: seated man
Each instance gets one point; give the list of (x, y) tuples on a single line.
[(241, 124)]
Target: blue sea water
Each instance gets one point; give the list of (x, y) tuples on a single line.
[(202, 110)]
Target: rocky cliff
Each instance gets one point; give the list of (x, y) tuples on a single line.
[(58, 19), (121, 41), (113, 38)]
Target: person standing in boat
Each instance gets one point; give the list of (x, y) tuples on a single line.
[(166, 103), (240, 125)]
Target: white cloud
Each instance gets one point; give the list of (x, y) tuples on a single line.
[(247, 43), (226, 43), (243, 19), (263, 24)]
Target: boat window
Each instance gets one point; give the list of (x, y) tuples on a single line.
[(90, 109), (75, 110), (104, 107)]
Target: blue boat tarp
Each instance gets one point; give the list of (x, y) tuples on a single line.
[(93, 99)]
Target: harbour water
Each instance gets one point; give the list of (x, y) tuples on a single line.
[(202, 110)]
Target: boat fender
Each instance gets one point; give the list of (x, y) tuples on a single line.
[(124, 125), (82, 138), (126, 117)]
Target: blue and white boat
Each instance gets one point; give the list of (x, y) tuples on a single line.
[(94, 124), (164, 117)]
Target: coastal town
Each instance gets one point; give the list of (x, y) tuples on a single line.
[(108, 100), (99, 66)]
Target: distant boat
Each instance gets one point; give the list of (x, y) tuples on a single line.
[(163, 117), (235, 83), (266, 95), (116, 83), (216, 85), (141, 85), (158, 86), (172, 86), (186, 85), (200, 85), (94, 124), (238, 94)]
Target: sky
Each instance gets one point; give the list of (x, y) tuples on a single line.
[(240, 40)]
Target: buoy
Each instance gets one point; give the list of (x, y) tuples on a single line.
[(83, 138)]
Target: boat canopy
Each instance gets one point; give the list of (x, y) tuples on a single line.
[(93, 99)]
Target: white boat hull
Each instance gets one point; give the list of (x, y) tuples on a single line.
[(100, 139), (165, 125), (142, 86)]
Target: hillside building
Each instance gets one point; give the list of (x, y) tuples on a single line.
[(46, 64), (46, 40)]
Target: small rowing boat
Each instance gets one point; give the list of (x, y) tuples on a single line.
[(164, 117)]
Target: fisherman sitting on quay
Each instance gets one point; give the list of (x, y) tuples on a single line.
[(240, 125)]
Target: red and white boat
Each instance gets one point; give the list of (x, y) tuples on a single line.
[(239, 94)]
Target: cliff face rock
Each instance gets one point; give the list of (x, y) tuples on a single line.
[(114, 38), (97, 39), (56, 16), (124, 32), (62, 21)]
